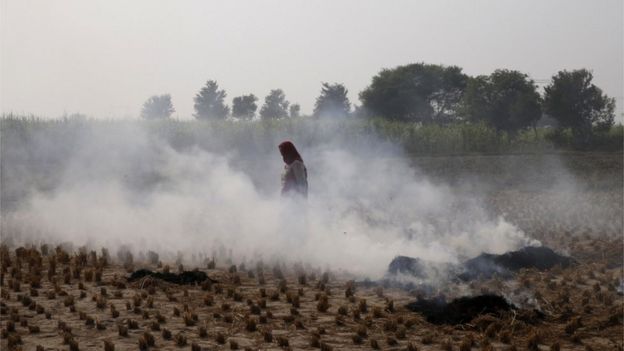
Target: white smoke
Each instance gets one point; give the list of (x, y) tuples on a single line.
[(365, 206)]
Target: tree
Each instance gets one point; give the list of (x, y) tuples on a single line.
[(360, 112), (507, 100), (275, 105), (576, 103), (417, 92), (333, 101), (294, 111), (209, 102), (244, 106), (157, 107)]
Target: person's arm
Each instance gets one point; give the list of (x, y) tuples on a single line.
[(288, 179), (299, 173)]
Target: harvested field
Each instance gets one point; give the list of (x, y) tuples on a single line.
[(54, 298), (61, 300), (312, 175)]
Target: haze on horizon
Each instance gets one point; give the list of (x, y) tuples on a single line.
[(105, 58)]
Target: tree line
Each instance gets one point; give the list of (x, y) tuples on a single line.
[(209, 104), (506, 100)]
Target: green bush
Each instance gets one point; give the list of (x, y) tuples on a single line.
[(611, 140)]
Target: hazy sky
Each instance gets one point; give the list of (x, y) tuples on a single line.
[(105, 58)]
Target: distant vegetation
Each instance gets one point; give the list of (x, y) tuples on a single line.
[(157, 107), (244, 107), (210, 102), (262, 135), (426, 108), (333, 101), (579, 105), (275, 105), (421, 104)]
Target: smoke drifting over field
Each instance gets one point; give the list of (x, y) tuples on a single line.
[(125, 185)]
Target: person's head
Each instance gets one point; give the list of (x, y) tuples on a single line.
[(289, 152)]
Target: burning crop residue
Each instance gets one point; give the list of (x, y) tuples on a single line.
[(145, 195), (280, 274)]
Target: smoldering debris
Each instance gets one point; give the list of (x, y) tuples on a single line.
[(460, 310), (410, 273), (484, 266), (417, 267), (467, 308), (487, 265)]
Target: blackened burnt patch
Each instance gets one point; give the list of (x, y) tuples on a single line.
[(407, 265), (461, 310), (487, 265)]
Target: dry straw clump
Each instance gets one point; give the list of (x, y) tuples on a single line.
[(282, 341), (109, 346), (267, 335), (180, 339), (166, 334), (323, 303), (122, 330)]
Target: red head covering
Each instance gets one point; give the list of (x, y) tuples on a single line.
[(289, 152)]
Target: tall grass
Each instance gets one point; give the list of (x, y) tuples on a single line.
[(416, 139)]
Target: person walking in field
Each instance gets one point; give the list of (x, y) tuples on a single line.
[(295, 175)]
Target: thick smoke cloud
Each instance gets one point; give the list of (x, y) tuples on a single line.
[(127, 186)]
